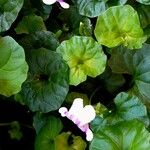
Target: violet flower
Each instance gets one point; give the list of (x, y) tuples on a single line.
[(80, 115)]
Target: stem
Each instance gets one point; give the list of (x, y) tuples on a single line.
[(21, 124), (94, 93)]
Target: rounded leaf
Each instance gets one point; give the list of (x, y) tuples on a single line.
[(9, 10), (47, 83), (130, 135), (84, 57), (30, 24), (13, 67), (119, 25), (91, 8), (67, 141), (46, 136)]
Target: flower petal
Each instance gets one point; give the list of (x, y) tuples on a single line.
[(49, 2), (64, 4), (89, 135)]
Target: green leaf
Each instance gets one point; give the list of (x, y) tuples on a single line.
[(143, 11), (47, 83), (8, 13), (45, 39), (13, 67), (30, 24), (91, 8), (116, 2), (39, 121), (130, 135), (71, 17), (73, 95), (15, 131), (112, 81), (84, 57), (46, 136), (86, 28), (119, 25), (135, 63), (127, 107), (146, 2), (67, 141)]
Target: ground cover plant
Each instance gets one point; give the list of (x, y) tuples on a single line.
[(74, 74)]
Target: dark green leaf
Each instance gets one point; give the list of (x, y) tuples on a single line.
[(47, 134), (135, 63), (47, 83), (45, 39), (91, 8), (30, 24)]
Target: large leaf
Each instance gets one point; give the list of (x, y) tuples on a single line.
[(91, 8), (130, 135), (146, 2), (30, 24), (128, 107), (47, 83), (84, 57), (13, 67), (135, 63), (46, 136), (66, 141), (119, 25), (9, 10)]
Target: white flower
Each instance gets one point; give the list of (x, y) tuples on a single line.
[(80, 115), (61, 2)]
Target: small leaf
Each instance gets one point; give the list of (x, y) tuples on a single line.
[(84, 57), (46, 136), (66, 141), (8, 13), (91, 8), (30, 24), (73, 95), (47, 83), (15, 132), (119, 25), (13, 67), (124, 135)]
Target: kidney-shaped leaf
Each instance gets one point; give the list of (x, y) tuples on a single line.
[(130, 135), (47, 83), (9, 10), (13, 67), (135, 63), (62, 142), (84, 57), (46, 136), (128, 108), (119, 25), (91, 8), (30, 24)]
